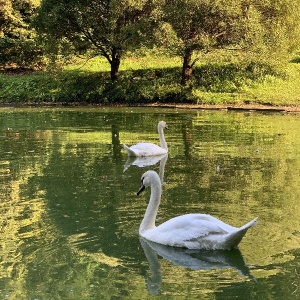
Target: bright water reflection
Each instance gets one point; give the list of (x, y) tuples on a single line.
[(70, 214)]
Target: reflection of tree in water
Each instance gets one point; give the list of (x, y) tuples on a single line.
[(276, 286), (81, 174), (58, 242), (44, 176), (22, 206), (115, 141), (187, 137)]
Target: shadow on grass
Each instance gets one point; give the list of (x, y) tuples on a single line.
[(133, 86)]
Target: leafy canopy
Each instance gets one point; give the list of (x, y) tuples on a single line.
[(95, 26), (249, 25), (18, 46)]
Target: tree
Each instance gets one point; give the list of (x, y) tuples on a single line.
[(202, 25), (280, 23), (18, 46), (107, 28), (199, 25)]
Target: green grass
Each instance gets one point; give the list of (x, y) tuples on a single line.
[(153, 78), (100, 64), (276, 90)]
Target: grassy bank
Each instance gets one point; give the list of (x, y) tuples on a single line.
[(153, 79)]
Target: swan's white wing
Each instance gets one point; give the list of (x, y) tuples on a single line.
[(147, 149), (182, 230), (198, 224)]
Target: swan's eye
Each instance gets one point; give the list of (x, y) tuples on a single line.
[(142, 180)]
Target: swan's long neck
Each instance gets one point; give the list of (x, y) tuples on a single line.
[(152, 208), (162, 140)]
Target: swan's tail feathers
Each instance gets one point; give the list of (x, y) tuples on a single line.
[(250, 224), (129, 151), (235, 238)]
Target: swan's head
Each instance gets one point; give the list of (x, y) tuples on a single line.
[(148, 178), (162, 124)]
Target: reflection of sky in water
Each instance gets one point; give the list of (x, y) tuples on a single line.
[(70, 215)]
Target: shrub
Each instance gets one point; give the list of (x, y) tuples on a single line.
[(20, 54)]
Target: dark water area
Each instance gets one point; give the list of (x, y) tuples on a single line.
[(70, 214)]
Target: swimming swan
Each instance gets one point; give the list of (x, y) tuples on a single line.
[(193, 231), (149, 149)]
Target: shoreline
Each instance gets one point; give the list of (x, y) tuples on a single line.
[(233, 107), (228, 107)]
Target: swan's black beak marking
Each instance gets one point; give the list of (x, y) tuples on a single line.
[(141, 188)]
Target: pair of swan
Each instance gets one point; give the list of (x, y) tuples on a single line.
[(192, 231)]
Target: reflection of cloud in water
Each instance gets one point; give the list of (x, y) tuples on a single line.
[(190, 259)]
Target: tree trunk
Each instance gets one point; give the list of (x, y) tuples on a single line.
[(187, 67), (115, 64)]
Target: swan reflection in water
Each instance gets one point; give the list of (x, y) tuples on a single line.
[(190, 259), (148, 161), (144, 161)]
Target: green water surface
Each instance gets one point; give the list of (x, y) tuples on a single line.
[(69, 213)]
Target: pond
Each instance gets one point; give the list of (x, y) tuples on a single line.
[(70, 214)]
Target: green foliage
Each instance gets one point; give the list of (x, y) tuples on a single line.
[(18, 44), (281, 25), (201, 25), (230, 77), (295, 59), (112, 28), (262, 29), (269, 26), (213, 83), (105, 28), (16, 53)]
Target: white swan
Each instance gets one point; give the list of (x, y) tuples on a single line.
[(149, 149), (193, 231)]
